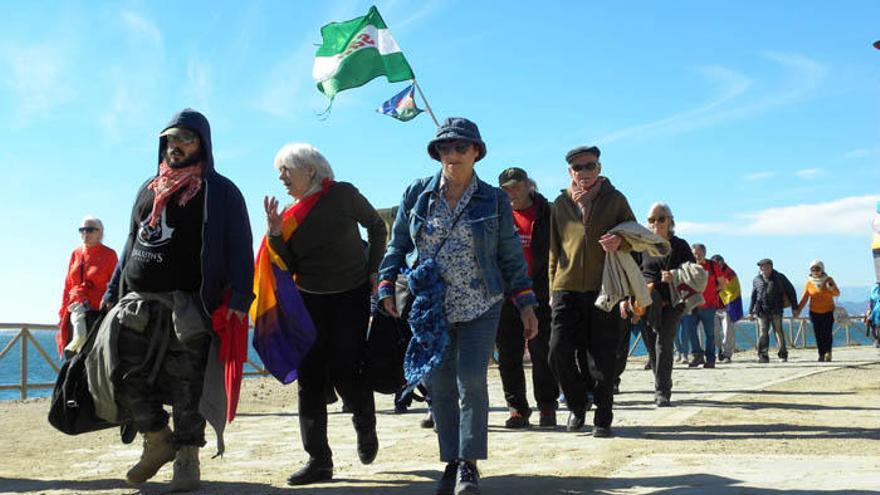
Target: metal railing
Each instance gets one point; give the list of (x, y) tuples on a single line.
[(25, 338), (795, 330)]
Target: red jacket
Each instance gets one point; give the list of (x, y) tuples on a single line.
[(88, 272), (710, 294)]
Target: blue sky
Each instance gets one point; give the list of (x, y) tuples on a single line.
[(756, 121)]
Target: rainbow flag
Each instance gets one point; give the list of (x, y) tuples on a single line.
[(731, 297), (283, 329)]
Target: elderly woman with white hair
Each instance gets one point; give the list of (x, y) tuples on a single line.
[(326, 256), (89, 270), (663, 317), (820, 291)]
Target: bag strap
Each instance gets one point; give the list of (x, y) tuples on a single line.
[(451, 229)]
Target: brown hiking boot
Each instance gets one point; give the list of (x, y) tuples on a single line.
[(157, 452), (186, 470)]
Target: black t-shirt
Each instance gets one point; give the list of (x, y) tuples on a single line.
[(167, 257)]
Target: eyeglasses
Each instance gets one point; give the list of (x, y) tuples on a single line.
[(445, 147), (181, 138), (660, 219), (815, 269), (88, 229), (589, 166)]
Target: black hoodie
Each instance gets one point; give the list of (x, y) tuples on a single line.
[(227, 258)]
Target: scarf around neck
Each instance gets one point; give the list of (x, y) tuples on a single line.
[(584, 198), (169, 181), (819, 282)]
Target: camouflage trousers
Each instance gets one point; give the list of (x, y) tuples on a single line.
[(147, 379)]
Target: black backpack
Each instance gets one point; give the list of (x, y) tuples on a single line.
[(72, 409)]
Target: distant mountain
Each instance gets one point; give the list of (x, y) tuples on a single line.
[(854, 298)]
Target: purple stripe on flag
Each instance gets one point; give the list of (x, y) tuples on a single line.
[(285, 333)]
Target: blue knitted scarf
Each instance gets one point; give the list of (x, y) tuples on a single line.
[(428, 322)]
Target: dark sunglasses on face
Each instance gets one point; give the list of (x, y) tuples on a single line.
[(444, 147), (589, 166), (181, 138), (88, 229), (656, 219)]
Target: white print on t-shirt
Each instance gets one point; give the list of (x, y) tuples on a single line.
[(155, 236)]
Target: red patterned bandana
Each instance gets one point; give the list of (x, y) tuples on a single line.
[(169, 181)]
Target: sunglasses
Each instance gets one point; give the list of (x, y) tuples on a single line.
[(589, 166), (88, 229), (815, 269), (657, 219), (446, 147), (181, 138)]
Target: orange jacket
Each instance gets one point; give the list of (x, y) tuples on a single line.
[(821, 300)]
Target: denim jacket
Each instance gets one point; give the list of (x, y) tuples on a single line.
[(499, 252)]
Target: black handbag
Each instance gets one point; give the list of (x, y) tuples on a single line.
[(382, 364), (72, 409)]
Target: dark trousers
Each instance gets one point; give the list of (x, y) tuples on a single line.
[(511, 346), (822, 325), (579, 326), (659, 342), (179, 382), (623, 348), (341, 321)]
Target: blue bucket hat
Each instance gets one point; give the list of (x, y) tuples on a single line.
[(461, 129)]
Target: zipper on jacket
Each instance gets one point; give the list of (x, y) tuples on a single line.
[(202, 253)]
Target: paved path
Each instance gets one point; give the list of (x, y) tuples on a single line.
[(798, 427)]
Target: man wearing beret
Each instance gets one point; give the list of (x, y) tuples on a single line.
[(582, 215), (531, 219)]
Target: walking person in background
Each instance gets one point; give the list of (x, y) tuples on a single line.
[(730, 311), (88, 272), (457, 231), (820, 291), (335, 276), (771, 294), (583, 214), (531, 219), (704, 315), (663, 317)]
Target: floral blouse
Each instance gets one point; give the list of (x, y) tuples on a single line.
[(466, 294)]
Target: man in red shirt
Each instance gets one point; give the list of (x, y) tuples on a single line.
[(531, 218), (705, 314)]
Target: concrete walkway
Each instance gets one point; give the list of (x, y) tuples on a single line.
[(798, 427)]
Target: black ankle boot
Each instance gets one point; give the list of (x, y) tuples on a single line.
[(313, 472)]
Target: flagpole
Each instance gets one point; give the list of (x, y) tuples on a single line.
[(427, 105)]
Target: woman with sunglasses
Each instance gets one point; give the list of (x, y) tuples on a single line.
[(583, 338), (663, 318), (820, 291), (463, 227), (89, 270)]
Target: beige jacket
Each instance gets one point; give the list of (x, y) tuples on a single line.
[(622, 277)]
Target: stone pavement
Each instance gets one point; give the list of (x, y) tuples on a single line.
[(798, 427)]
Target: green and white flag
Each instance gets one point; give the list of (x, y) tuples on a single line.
[(356, 51)]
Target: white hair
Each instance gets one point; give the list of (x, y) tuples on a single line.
[(93, 221), (666, 210), (298, 155)]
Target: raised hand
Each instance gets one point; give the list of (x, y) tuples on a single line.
[(273, 217)]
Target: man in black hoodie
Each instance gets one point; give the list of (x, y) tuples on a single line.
[(531, 214), (188, 255)]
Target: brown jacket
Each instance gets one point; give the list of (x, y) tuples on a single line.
[(576, 264)]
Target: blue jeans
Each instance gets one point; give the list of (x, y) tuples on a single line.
[(706, 317), (459, 392), (681, 344)]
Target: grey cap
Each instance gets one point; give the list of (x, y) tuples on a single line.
[(511, 176), (765, 261), (581, 150)]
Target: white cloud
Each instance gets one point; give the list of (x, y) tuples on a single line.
[(846, 216), (198, 82), (858, 153), (810, 173), (802, 76), (37, 76), (756, 176), (141, 26)]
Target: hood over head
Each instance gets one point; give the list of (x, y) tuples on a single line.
[(197, 122)]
